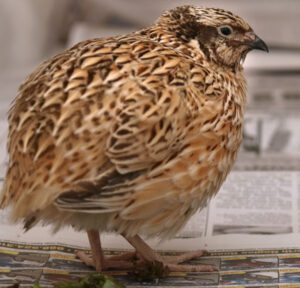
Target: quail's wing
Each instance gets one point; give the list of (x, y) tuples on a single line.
[(148, 113), (98, 117), (153, 111)]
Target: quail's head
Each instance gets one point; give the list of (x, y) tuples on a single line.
[(223, 37)]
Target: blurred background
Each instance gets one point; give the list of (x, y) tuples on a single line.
[(33, 30)]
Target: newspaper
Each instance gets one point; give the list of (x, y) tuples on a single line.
[(48, 264)]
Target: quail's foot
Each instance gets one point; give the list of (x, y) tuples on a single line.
[(174, 263), (122, 262), (171, 263)]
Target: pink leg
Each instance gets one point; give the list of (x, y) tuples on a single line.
[(121, 262), (97, 253), (145, 253)]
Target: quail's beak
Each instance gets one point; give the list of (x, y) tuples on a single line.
[(258, 44)]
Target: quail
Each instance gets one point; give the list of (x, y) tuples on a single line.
[(131, 134)]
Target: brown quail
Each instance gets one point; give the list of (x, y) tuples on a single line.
[(131, 134)]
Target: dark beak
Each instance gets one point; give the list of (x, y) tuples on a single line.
[(258, 44)]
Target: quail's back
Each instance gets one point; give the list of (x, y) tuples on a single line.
[(131, 134)]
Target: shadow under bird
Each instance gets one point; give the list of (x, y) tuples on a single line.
[(131, 134)]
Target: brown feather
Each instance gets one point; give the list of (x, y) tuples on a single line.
[(132, 133)]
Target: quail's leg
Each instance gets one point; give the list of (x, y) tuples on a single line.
[(145, 254), (101, 263), (172, 263)]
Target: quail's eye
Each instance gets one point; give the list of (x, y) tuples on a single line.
[(225, 31)]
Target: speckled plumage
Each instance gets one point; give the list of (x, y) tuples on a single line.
[(131, 134)]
